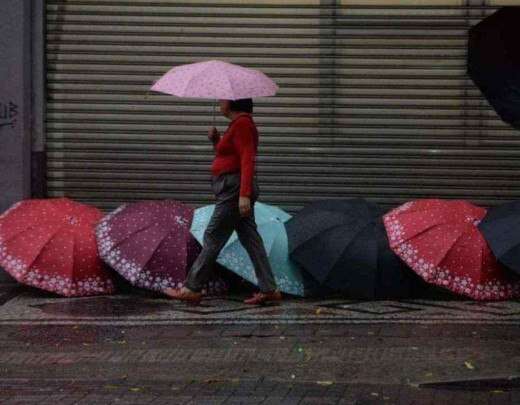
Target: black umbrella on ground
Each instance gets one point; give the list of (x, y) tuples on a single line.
[(501, 229), (494, 62), (343, 245)]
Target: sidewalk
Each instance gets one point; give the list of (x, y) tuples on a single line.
[(149, 350)]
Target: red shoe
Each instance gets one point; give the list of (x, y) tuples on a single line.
[(190, 297), (262, 298)]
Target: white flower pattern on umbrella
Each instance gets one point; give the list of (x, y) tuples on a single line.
[(270, 221), (215, 79), (46, 270), (151, 226), (490, 282)]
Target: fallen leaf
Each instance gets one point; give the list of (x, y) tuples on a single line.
[(318, 311), (324, 382), (429, 374), (122, 342), (135, 389), (497, 392), (469, 365), (111, 387)]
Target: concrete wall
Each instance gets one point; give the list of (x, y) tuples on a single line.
[(19, 72)]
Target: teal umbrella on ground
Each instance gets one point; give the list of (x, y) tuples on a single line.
[(270, 221)]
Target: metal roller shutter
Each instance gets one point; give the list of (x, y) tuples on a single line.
[(374, 101)]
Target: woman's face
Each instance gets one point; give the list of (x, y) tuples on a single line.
[(224, 107)]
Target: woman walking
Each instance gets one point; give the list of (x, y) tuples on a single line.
[(235, 188)]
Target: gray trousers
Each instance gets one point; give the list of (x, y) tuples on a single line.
[(226, 219)]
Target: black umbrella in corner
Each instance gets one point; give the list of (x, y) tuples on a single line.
[(501, 229), (343, 245), (494, 62)]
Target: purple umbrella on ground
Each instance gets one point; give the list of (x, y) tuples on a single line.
[(149, 243)]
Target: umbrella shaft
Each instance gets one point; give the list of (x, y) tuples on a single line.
[(214, 105)]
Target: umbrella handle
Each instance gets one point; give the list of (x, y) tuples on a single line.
[(214, 105)]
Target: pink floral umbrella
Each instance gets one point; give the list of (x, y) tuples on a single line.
[(150, 245), (440, 241), (50, 244), (215, 79)]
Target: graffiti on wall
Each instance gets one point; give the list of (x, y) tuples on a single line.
[(8, 114)]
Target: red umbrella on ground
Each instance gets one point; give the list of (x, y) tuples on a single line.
[(50, 244), (440, 241)]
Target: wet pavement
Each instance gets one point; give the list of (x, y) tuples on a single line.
[(144, 349)]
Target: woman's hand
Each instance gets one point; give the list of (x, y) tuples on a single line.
[(244, 206), (213, 135)]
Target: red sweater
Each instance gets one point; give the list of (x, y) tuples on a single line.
[(236, 152)]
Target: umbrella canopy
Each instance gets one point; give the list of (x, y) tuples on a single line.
[(501, 229), (215, 80), (343, 245), (270, 221), (494, 61), (150, 245), (440, 241), (50, 244)]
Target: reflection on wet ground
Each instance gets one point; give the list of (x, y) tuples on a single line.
[(137, 348), (103, 306), (23, 305)]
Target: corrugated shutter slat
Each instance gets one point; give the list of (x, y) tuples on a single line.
[(374, 102)]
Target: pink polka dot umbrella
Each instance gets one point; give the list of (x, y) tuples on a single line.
[(50, 244), (215, 79), (440, 241), (149, 243)]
